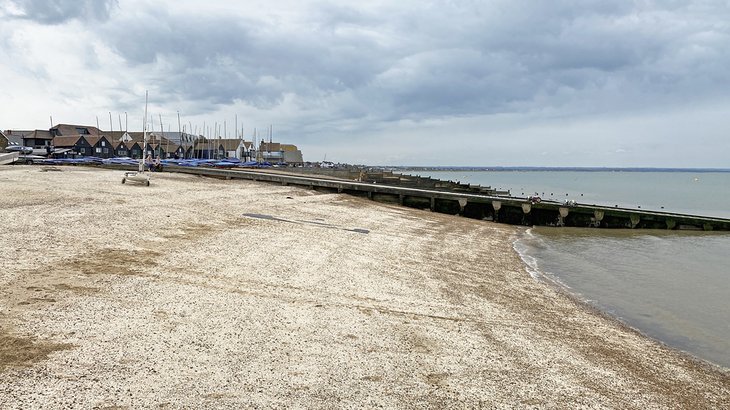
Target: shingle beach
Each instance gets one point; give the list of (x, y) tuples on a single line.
[(205, 293)]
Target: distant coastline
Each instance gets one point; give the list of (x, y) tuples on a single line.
[(552, 169)]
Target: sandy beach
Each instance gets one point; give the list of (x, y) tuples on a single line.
[(204, 293)]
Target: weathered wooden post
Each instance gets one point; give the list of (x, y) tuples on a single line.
[(496, 205), (634, 220), (597, 217), (562, 214), (462, 204), (526, 208)]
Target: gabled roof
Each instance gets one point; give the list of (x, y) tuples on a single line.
[(128, 145), (228, 144), (71, 129), (152, 139), (113, 135), (65, 141), (136, 135), (36, 134), (93, 140), (43, 134)]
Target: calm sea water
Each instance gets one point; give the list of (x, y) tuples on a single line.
[(700, 193), (673, 286)]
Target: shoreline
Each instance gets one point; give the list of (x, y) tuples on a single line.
[(170, 294), (663, 323), (554, 282)]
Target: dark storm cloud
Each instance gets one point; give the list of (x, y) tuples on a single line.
[(60, 11), (407, 74), (220, 60), (493, 57), (439, 59)]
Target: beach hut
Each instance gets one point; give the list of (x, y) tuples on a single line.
[(129, 149), (101, 147)]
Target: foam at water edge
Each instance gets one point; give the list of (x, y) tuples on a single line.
[(520, 246)]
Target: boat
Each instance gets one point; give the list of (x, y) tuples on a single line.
[(140, 176), (19, 149)]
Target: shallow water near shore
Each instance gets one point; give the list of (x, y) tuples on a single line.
[(672, 286)]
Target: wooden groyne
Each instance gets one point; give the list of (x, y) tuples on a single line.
[(479, 205), (385, 177)]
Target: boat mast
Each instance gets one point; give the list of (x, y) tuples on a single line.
[(159, 140), (180, 133), (144, 135)]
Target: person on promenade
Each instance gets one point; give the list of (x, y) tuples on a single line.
[(157, 164)]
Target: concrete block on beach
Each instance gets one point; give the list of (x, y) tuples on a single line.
[(207, 293)]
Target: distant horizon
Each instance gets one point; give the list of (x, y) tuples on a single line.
[(554, 168)]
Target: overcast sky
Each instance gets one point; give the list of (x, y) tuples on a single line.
[(541, 83)]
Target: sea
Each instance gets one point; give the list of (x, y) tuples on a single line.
[(673, 286)]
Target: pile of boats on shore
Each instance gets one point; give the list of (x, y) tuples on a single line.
[(212, 163)]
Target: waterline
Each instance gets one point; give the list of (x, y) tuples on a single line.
[(668, 285)]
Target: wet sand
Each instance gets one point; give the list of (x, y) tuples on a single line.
[(203, 293)]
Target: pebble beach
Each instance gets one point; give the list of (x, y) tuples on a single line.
[(204, 293)]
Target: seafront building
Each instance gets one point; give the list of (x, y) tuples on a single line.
[(71, 141), (275, 152)]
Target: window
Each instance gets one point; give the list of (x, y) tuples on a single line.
[(103, 143), (105, 150), (82, 150), (98, 150)]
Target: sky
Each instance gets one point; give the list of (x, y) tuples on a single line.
[(453, 83)]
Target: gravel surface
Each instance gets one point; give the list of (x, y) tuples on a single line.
[(205, 293)]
